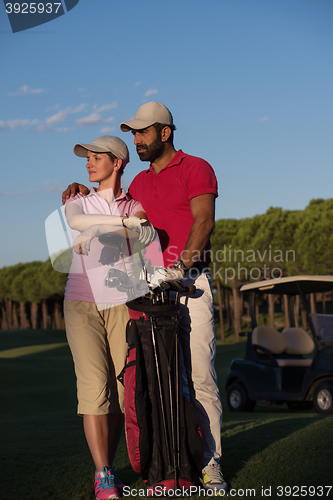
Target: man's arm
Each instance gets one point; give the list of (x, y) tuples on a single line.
[(203, 211), (74, 189)]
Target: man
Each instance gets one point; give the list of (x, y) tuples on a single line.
[(178, 194)]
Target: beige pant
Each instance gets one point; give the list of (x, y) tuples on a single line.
[(97, 340), (198, 341)]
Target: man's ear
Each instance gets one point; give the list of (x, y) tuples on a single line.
[(165, 133)]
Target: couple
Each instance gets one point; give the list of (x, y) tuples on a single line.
[(177, 194)]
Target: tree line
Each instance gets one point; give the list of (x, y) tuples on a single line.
[(31, 296), (277, 243)]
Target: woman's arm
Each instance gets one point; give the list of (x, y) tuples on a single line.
[(80, 221), (82, 242), (138, 227)]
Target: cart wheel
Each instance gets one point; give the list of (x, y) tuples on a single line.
[(238, 399), (299, 405), (323, 397)]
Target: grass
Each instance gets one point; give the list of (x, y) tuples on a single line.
[(44, 454)]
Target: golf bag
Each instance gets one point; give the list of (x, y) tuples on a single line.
[(164, 442)]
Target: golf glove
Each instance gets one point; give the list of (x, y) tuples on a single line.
[(166, 274), (82, 242), (147, 232)]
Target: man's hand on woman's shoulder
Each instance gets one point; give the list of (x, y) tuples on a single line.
[(74, 189)]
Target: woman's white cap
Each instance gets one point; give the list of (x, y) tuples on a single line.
[(104, 144)]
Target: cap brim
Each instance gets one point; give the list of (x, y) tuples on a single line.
[(135, 125), (81, 150)]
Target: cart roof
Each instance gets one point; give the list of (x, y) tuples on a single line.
[(289, 285)]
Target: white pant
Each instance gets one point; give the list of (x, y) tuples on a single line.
[(197, 334)]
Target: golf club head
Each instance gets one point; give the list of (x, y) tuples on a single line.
[(142, 285), (112, 240), (116, 278), (111, 281)]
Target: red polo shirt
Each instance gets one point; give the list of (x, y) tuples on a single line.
[(166, 196)]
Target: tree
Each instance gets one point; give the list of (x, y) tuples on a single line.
[(31, 284), (7, 276), (17, 293), (277, 243), (314, 238), (52, 292)]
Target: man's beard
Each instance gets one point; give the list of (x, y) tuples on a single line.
[(152, 152)]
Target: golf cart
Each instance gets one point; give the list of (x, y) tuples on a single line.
[(277, 366)]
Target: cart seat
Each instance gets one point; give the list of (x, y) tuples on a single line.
[(286, 347), (294, 362), (269, 338), (298, 341)]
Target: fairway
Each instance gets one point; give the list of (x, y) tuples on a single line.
[(269, 453)]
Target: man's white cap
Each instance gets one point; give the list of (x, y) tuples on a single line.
[(104, 144), (148, 114)]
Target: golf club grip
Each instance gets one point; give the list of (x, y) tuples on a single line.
[(178, 286), (188, 290)]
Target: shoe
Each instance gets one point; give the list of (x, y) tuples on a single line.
[(117, 482), (104, 485), (212, 479)]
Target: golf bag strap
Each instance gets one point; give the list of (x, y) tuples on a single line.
[(148, 307)]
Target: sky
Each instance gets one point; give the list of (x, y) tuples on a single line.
[(249, 84)]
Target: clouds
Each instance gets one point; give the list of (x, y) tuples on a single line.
[(64, 116), (58, 117), (21, 123), (48, 187), (62, 119), (151, 92), (93, 119), (263, 119), (106, 107), (25, 89), (17, 123), (107, 130)]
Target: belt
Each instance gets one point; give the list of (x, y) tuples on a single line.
[(198, 269)]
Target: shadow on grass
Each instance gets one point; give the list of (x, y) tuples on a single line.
[(302, 458), (240, 445), (10, 339)]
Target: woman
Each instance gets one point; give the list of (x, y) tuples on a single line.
[(95, 315)]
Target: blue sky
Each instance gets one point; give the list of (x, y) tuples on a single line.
[(249, 83)]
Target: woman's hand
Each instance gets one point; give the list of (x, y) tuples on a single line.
[(81, 245), (147, 232)]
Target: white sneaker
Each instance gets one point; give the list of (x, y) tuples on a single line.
[(212, 479)]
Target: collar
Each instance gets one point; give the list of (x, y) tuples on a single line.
[(123, 195), (176, 160)]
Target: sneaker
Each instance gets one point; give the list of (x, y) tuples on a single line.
[(212, 479), (117, 482), (104, 485)]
